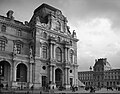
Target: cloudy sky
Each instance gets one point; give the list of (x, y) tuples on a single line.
[(97, 24)]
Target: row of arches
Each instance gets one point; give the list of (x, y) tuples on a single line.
[(6, 72), (21, 74)]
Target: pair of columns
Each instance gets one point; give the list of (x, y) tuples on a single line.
[(52, 52), (52, 74), (66, 76)]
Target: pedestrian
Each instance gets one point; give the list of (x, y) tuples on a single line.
[(40, 92), (27, 92), (6, 86)]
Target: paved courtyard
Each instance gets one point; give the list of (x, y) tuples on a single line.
[(80, 91), (103, 90)]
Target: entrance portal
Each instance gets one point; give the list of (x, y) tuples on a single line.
[(21, 73), (58, 77), (71, 81), (5, 72)]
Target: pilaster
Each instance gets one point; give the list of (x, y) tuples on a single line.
[(52, 76), (66, 79)]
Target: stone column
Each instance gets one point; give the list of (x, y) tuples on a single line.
[(65, 76), (53, 75), (31, 78), (51, 51), (15, 71), (67, 54), (65, 57), (68, 81), (50, 74)]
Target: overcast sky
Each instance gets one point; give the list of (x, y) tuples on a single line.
[(97, 24)]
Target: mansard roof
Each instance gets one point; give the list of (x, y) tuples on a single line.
[(6, 20), (45, 6)]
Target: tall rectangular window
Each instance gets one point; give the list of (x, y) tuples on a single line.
[(1, 70), (2, 45), (58, 54), (19, 33), (44, 52), (18, 48), (3, 28)]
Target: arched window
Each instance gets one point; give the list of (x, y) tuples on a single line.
[(19, 33), (71, 56), (44, 35), (44, 51), (58, 54), (58, 39)]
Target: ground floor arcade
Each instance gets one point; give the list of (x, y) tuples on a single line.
[(23, 75)]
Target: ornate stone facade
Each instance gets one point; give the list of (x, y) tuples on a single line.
[(101, 76), (41, 53)]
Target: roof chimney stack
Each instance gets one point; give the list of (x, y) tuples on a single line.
[(10, 14)]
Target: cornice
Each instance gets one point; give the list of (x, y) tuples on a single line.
[(13, 23), (56, 33)]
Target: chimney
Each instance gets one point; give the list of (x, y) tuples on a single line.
[(10, 14), (26, 22)]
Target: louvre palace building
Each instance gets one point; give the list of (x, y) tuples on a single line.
[(102, 75), (40, 52)]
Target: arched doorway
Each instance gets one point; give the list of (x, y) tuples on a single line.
[(58, 77), (5, 72), (21, 73)]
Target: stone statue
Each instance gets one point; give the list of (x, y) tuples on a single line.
[(68, 29), (74, 34)]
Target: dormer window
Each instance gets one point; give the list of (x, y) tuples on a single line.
[(19, 33), (44, 35), (58, 25), (3, 28)]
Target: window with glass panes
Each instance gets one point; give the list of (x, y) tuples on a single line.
[(58, 54), (19, 33), (18, 48), (71, 56), (3, 28), (44, 50), (2, 45), (1, 70)]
